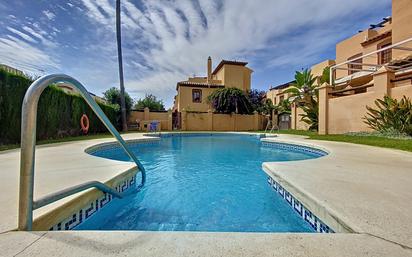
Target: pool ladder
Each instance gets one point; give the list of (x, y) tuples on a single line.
[(28, 148)]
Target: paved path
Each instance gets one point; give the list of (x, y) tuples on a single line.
[(368, 188), (179, 244), (57, 166)]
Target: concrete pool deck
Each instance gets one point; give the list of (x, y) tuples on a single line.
[(367, 187)]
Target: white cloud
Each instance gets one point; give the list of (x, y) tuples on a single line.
[(174, 38), (21, 34), (50, 15), (166, 41), (24, 56)]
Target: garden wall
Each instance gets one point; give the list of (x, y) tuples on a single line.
[(146, 115), (208, 121)]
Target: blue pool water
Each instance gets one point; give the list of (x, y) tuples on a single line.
[(203, 183)]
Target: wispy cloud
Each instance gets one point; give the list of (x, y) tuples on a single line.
[(174, 38), (24, 56), (166, 41)]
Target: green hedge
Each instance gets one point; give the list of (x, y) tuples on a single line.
[(58, 113)]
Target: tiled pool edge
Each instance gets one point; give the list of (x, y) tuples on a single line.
[(82, 207), (315, 208), (316, 223), (303, 212), (83, 213)]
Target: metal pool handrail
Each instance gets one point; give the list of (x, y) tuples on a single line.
[(28, 148)]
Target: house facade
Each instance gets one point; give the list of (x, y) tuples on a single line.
[(375, 62), (369, 65), (192, 93)]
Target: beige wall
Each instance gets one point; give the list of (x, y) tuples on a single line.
[(222, 122), (345, 114), (402, 22), (275, 95), (317, 69), (196, 121), (165, 118), (350, 47), (235, 76), (185, 100), (296, 119)]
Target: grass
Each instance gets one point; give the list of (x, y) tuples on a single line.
[(400, 144)]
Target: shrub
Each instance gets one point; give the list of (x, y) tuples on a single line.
[(58, 113), (390, 114)]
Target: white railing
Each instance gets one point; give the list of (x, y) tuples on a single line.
[(373, 67)]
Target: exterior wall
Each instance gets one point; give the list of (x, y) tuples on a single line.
[(165, 118), (185, 99), (208, 121), (350, 47), (276, 94), (236, 76), (401, 20), (296, 122), (317, 69)]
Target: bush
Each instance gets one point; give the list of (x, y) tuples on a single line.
[(58, 113), (390, 115)]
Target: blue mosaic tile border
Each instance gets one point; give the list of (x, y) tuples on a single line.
[(111, 146), (198, 134), (87, 211), (296, 148), (300, 209)]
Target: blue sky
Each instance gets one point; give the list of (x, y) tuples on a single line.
[(167, 41)]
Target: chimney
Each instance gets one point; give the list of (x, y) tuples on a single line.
[(209, 69)]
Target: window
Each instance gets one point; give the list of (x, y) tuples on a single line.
[(281, 98), (354, 66), (385, 56), (196, 95)]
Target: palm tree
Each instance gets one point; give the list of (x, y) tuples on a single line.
[(303, 88), (120, 59), (304, 93)]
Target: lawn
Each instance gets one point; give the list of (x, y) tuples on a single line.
[(400, 144)]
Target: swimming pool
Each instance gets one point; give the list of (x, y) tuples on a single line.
[(203, 183)]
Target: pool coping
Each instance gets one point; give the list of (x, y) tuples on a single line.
[(361, 243), (305, 213)]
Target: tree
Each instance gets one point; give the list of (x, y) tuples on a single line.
[(230, 100), (259, 102), (120, 59), (112, 95), (304, 93), (150, 101)]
